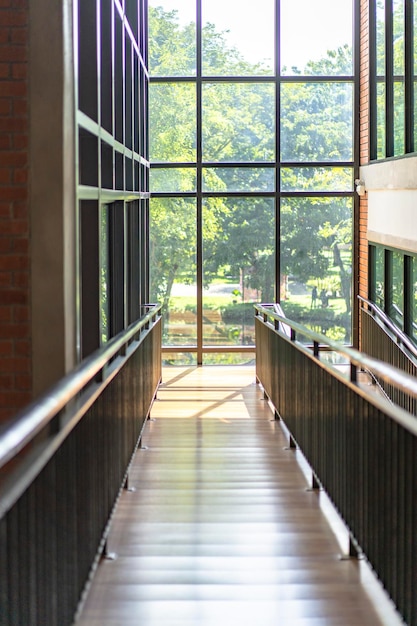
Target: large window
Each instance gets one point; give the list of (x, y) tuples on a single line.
[(113, 168), (393, 62), (393, 285), (252, 167)]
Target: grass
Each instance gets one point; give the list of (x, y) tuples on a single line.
[(182, 303), (338, 305)]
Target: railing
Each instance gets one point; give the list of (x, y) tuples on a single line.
[(64, 462), (381, 339), (362, 449)]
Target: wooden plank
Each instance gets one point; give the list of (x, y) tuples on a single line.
[(222, 528)]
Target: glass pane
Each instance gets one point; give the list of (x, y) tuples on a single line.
[(414, 299), (415, 35), (238, 266), (238, 38), (316, 179), (172, 38), (238, 122), (415, 111), (316, 122), (316, 264), (380, 38), (238, 179), (399, 121), (399, 71), (398, 39), (397, 294), (229, 358), (380, 277), (173, 179), (104, 275), (173, 267), (316, 37), (179, 358), (172, 112), (381, 149)]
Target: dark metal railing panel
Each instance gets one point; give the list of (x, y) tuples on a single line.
[(361, 448), (58, 410), (52, 532), (381, 340)]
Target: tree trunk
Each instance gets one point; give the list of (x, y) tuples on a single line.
[(345, 278), (167, 294)]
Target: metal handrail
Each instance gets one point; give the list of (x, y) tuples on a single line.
[(392, 375), (359, 446), (20, 430), (382, 317)]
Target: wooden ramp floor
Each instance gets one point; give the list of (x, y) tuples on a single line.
[(221, 528)]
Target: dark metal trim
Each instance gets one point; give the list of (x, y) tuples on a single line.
[(389, 79), (199, 225), (409, 76), (253, 194), (251, 164), (387, 280), (373, 118), (408, 295), (270, 78)]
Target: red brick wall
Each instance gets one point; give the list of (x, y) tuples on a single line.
[(15, 344), (364, 146)]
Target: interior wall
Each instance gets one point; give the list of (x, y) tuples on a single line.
[(15, 313), (52, 191), (392, 219), (392, 202)]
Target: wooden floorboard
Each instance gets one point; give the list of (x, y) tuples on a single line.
[(221, 527)]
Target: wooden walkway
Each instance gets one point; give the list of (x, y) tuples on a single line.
[(221, 528)]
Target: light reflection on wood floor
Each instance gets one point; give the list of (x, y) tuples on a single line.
[(222, 529)]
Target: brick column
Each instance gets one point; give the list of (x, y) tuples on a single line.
[(364, 147), (15, 342)]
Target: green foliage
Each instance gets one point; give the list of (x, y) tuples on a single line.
[(239, 313), (171, 46), (398, 75), (316, 121), (338, 62), (322, 320), (229, 359)]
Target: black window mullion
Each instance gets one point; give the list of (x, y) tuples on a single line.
[(372, 273), (144, 252), (117, 268), (133, 261), (388, 282), (409, 76), (389, 77), (90, 277), (408, 295), (373, 126), (199, 225), (277, 151)]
